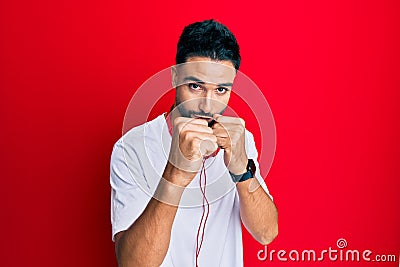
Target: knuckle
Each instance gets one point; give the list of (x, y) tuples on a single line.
[(195, 142), (184, 136), (202, 121), (217, 126), (188, 135), (240, 129), (208, 130), (197, 121)]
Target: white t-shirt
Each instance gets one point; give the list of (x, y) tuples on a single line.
[(137, 163)]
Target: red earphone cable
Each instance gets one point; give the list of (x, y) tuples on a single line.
[(205, 214)]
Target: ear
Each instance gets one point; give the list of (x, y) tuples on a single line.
[(174, 76)]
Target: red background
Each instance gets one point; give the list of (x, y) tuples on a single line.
[(330, 72)]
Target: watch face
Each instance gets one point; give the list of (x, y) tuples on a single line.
[(251, 166)]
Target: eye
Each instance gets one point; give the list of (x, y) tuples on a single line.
[(194, 86), (221, 90)]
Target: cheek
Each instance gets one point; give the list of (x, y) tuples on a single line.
[(225, 99), (186, 99), (183, 94), (180, 96), (222, 103)]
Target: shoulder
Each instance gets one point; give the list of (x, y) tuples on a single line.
[(138, 133), (127, 154)]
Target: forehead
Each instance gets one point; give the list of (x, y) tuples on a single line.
[(207, 70)]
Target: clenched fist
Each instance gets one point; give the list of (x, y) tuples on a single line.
[(230, 133), (192, 140)]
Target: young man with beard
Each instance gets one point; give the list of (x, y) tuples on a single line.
[(186, 208)]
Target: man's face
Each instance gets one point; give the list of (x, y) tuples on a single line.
[(203, 86)]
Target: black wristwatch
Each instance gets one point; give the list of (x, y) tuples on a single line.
[(250, 173)]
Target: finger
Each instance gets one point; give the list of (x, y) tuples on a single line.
[(200, 136), (220, 132), (231, 129), (223, 142), (179, 120), (194, 128), (199, 121), (226, 119), (207, 147)]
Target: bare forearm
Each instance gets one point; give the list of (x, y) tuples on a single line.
[(258, 212), (146, 242)]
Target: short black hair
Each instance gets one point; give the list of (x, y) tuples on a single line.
[(208, 38)]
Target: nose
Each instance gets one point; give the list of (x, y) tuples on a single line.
[(206, 102)]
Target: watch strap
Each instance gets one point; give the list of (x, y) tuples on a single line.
[(250, 173)]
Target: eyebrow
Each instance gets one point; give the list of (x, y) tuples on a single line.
[(197, 80)]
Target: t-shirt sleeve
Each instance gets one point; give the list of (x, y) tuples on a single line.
[(128, 199), (252, 153)]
